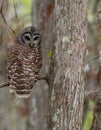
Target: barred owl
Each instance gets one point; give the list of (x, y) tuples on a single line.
[(24, 60)]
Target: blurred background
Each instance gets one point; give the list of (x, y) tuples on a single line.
[(31, 114)]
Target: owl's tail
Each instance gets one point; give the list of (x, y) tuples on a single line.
[(21, 93)]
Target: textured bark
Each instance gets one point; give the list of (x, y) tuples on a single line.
[(68, 85)]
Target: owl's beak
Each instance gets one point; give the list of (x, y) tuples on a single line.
[(31, 44)]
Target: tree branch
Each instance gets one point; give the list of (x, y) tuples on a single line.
[(92, 94), (5, 84), (44, 78)]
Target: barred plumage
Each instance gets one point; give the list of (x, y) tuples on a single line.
[(24, 60)]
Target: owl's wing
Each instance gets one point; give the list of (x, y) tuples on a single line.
[(19, 82), (12, 65)]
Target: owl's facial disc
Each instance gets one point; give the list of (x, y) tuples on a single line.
[(33, 40)]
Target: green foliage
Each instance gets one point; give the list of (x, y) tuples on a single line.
[(26, 6), (22, 7), (89, 116)]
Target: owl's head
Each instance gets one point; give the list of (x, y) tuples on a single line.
[(29, 36)]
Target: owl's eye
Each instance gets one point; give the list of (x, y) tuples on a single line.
[(27, 38), (37, 39)]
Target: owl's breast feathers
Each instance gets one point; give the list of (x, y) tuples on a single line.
[(23, 65)]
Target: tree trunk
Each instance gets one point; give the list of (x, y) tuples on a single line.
[(66, 101)]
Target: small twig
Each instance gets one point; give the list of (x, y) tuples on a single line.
[(93, 58), (1, 37), (5, 84), (15, 11), (92, 94), (3, 17)]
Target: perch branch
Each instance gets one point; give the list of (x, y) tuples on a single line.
[(44, 78), (6, 84)]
